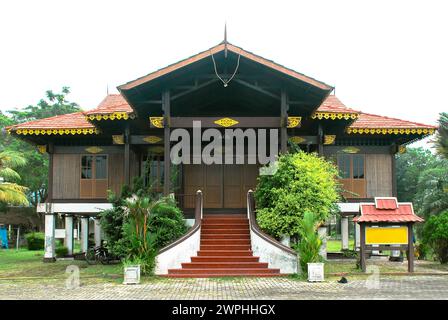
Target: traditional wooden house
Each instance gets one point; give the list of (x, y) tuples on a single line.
[(223, 87)]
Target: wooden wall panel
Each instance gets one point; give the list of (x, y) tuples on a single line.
[(66, 176), (116, 172), (379, 175)]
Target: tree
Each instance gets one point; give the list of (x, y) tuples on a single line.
[(303, 183), (11, 193), (431, 196), (35, 174), (435, 235), (441, 141), (409, 166)]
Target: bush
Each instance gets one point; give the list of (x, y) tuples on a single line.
[(61, 252), (35, 240), (435, 235), (166, 220), (303, 182), (310, 242)]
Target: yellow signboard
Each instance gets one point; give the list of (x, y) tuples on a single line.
[(386, 235)]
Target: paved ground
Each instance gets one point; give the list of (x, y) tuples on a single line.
[(416, 287)]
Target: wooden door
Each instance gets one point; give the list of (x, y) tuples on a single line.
[(213, 186), (233, 185)]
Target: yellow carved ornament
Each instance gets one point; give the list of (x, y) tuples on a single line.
[(42, 148), (72, 131), (152, 139), (294, 122), (329, 138), (118, 139), (297, 139), (156, 121), (94, 149), (226, 122), (111, 116), (395, 131), (334, 116), (402, 149)]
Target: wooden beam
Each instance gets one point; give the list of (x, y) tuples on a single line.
[(284, 122), (320, 138), (256, 88), (166, 106), (194, 88), (242, 122)]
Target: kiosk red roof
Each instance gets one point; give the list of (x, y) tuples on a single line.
[(387, 210)]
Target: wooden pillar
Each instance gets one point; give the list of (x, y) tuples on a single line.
[(394, 176), (166, 141), (410, 248), (362, 251), (127, 153), (283, 122), (320, 140)]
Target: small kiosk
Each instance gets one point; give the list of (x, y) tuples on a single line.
[(387, 225)]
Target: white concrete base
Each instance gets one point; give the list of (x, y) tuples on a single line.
[(69, 234), (276, 257), (180, 253), (344, 233), (50, 223), (84, 234)]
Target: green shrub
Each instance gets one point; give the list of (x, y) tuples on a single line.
[(435, 235), (310, 242), (35, 240), (61, 252), (166, 220), (303, 182)]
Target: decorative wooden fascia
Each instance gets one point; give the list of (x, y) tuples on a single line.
[(111, 116), (334, 115), (395, 131), (71, 131)]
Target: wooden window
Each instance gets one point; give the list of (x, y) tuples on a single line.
[(153, 170), (352, 175), (94, 176)]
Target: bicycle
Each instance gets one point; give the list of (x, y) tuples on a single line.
[(98, 254)]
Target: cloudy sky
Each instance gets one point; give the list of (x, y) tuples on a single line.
[(386, 57)]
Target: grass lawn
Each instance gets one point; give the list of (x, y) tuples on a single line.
[(28, 264), (336, 245)]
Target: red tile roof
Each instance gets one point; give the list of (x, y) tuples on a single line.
[(372, 121), (75, 120), (386, 203), (333, 104), (377, 212), (110, 104)]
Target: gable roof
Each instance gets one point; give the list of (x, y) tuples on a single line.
[(218, 48), (333, 104)]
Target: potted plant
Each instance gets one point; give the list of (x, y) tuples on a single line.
[(309, 248), (131, 272)]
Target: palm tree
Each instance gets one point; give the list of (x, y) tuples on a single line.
[(441, 141), (11, 192)]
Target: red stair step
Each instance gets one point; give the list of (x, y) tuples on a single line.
[(217, 275), (224, 253), (224, 226), (225, 242), (224, 271), (225, 259), (225, 247), (224, 231), (224, 265), (241, 236)]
